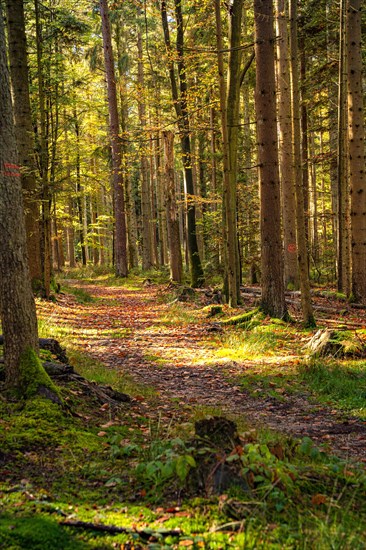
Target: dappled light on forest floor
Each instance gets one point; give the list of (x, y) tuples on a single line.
[(132, 473), (252, 375)]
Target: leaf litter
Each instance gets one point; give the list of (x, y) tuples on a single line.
[(176, 356)]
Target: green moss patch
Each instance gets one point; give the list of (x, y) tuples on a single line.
[(36, 533), (33, 378)]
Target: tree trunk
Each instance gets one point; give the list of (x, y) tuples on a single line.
[(146, 214), (171, 209), (273, 292), (161, 205), (181, 108), (120, 238), (356, 144), (70, 233), (79, 191), (342, 225), (43, 161), (229, 105), (285, 149), (24, 133), (23, 370), (302, 253)]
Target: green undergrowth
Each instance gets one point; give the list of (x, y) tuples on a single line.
[(341, 383), (123, 466), (82, 296), (130, 471), (96, 371), (282, 366)]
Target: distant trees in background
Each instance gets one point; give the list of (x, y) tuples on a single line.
[(186, 143)]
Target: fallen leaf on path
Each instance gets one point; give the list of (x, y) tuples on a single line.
[(318, 499)]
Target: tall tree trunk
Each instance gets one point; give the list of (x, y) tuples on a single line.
[(304, 144), (332, 100), (147, 249), (171, 209), (356, 145), (85, 226), (131, 219), (18, 312), (229, 105), (302, 253), (70, 233), (342, 225), (216, 250), (24, 133), (229, 263), (120, 238), (273, 292), (79, 191), (43, 161), (288, 199), (181, 107), (161, 204)]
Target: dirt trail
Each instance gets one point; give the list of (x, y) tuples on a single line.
[(178, 363)]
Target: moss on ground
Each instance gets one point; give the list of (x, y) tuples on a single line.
[(123, 469)]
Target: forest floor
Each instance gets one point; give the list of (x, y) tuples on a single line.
[(294, 477), (174, 348)]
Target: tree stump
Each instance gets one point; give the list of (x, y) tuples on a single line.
[(216, 439)]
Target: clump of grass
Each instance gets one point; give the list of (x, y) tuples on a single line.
[(177, 314), (342, 383), (82, 296), (48, 328), (93, 370), (241, 344)]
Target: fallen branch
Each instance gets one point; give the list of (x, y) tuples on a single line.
[(114, 530)]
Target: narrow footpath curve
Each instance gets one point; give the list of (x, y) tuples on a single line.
[(155, 351)]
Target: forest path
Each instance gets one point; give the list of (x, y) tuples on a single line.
[(133, 331)]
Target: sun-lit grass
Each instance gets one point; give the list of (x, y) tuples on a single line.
[(261, 342), (178, 314), (94, 370), (105, 275), (48, 327)]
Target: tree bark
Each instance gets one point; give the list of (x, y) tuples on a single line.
[(302, 253), (175, 251), (146, 213), (288, 200), (18, 312), (229, 105), (43, 160), (356, 145), (273, 292), (120, 240), (181, 108), (24, 132), (342, 202)]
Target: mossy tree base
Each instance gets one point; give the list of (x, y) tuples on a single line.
[(33, 379)]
